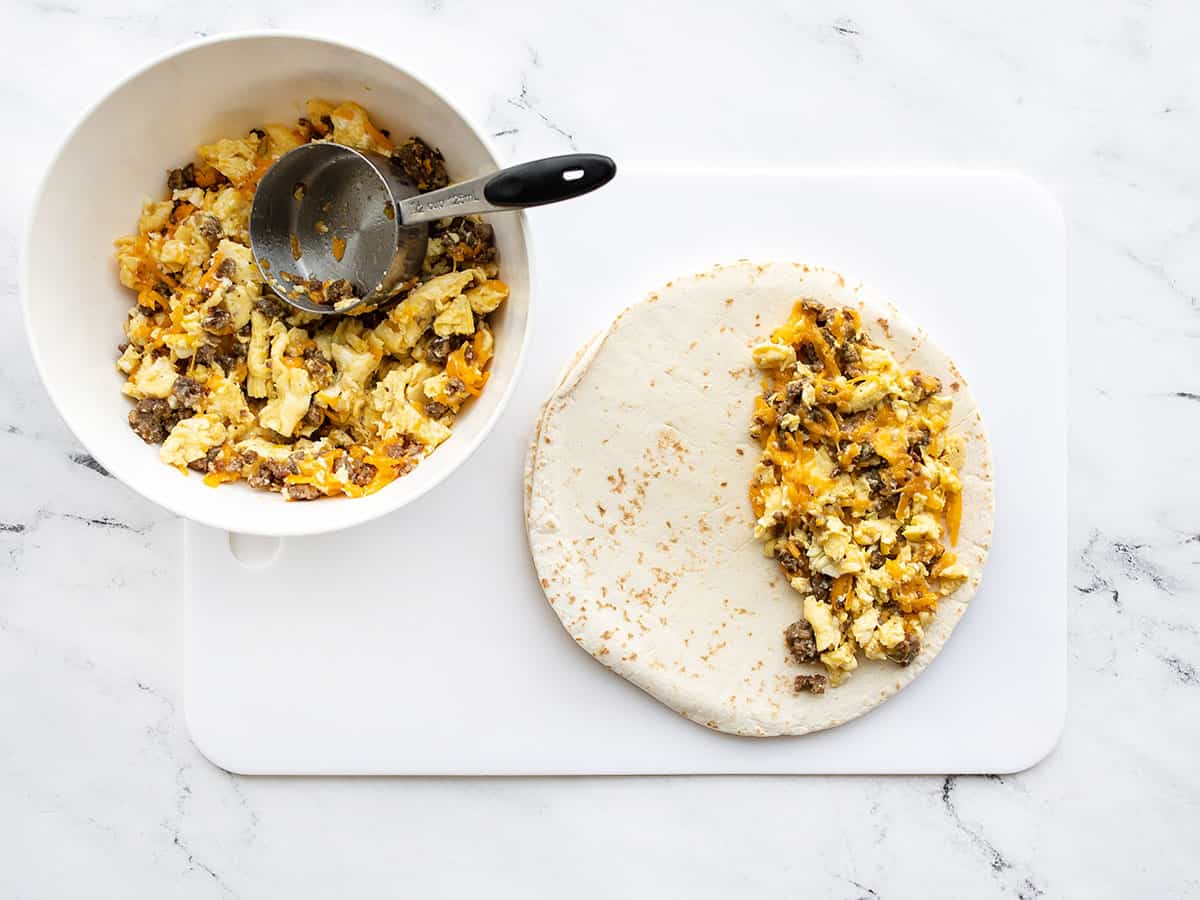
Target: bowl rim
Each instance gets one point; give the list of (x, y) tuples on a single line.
[(181, 508)]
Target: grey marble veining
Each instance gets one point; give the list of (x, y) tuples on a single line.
[(101, 792)]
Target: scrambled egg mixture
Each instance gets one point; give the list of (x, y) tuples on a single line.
[(234, 383), (856, 488)]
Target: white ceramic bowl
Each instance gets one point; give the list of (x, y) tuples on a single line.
[(119, 153)]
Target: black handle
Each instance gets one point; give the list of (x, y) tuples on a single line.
[(550, 180)]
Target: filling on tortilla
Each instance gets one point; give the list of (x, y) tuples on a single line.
[(856, 489)]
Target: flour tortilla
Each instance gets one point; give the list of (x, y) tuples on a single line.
[(637, 509)]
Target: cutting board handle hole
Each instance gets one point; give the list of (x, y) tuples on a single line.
[(254, 551)]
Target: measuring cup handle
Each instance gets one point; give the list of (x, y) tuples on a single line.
[(549, 180), (517, 187)]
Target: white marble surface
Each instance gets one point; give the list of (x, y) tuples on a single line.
[(101, 793)]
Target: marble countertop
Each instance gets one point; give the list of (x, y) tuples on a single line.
[(101, 791)]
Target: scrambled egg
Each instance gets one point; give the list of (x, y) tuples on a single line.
[(857, 491), (234, 383)]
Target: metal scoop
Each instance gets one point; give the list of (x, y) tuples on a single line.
[(333, 229)]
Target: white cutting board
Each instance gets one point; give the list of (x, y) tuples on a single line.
[(413, 646)]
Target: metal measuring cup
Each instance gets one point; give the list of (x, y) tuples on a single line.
[(333, 229)]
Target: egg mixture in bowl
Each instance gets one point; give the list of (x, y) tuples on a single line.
[(75, 306), (235, 384)]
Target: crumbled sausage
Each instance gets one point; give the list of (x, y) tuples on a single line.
[(314, 417), (821, 583), (233, 352), (435, 410), (182, 179), (813, 684), (219, 321), (850, 360), (874, 481), (792, 564), (205, 463), (271, 306), (227, 352), (885, 505), (236, 462), (318, 368), (209, 227), (423, 165), (338, 289), (464, 242), (152, 419), (227, 268), (905, 651), (808, 355), (868, 459), (272, 473), (794, 392), (187, 391), (440, 348), (402, 447), (359, 473), (243, 459), (917, 443), (801, 642), (302, 492)]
